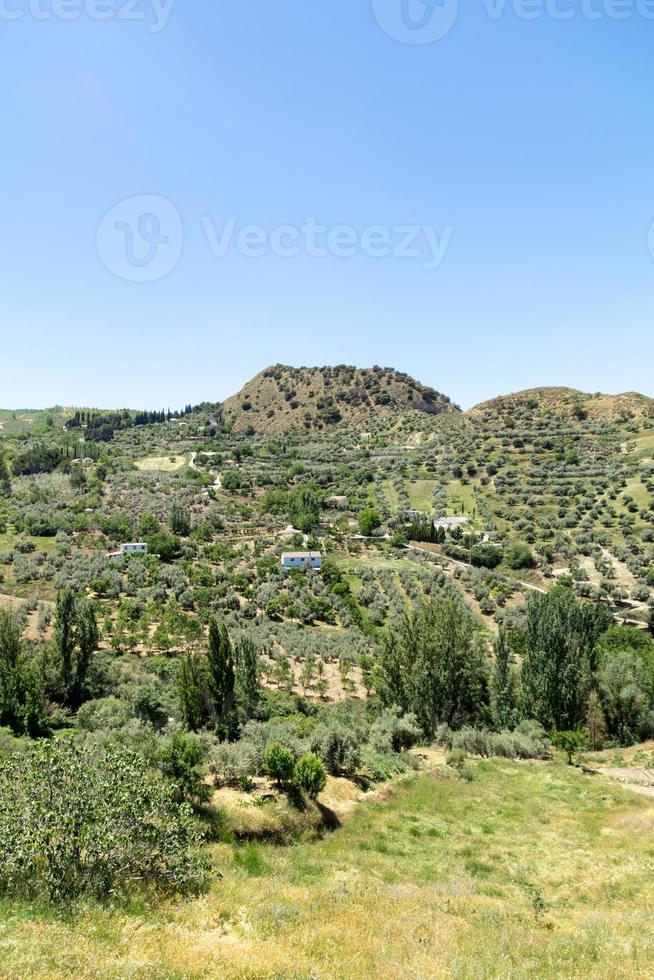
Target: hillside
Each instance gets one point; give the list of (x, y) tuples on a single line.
[(282, 398), (29, 420), (568, 403)]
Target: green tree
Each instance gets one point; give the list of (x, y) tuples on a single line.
[(222, 679), (433, 665), (166, 546), (5, 479), (77, 822), (503, 686), (180, 520), (310, 775), (278, 763), (181, 758), (561, 641), (485, 555), (248, 676), (10, 680), (64, 636), (193, 690), (519, 556), (570, 743), (626, 694), (369, 521)]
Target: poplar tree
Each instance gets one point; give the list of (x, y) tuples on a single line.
[(222, 679), (503, 686)]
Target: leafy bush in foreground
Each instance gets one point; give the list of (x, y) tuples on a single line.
[(76, 823)]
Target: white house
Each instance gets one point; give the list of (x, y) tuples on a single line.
[(125, 550), (450, 523), (302, 559)]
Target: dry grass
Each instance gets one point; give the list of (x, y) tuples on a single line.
[(161, 464), (530, 870)]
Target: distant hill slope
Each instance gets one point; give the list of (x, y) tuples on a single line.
[(283, 398), (569, 404), (32, 420)]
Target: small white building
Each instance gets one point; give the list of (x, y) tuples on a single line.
[(302, 559), (450, 523), (126, 550)]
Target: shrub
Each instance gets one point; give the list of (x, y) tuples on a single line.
[(393, 732), (528, 741), (310, 775), (486, 556), (278, 763), (77, 823), (380, 766), (519, 556), (181, 759), (339, 747), (232, 763)]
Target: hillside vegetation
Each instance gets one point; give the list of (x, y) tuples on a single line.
[(282, 398), (213, 765)]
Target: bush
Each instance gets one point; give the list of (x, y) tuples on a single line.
[(339, 747), (77, 823), (310, 775), (486, 556), (393, 732), (528, 741), (232, 763), (519, 556), (181, 758), (379, 766), (278, 763)]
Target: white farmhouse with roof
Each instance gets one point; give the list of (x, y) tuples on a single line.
[(302, 559)]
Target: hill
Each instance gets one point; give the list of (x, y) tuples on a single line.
[(282, 398), (568, 403), (30, 420)]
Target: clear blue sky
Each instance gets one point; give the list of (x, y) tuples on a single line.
[(531, 139)]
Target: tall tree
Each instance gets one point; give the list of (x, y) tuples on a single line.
[(222, 679), (5, 479), (10, 652), (248, 675), (75, 641), (434, 666), (192, 690), (503, 686), (64, 636), (87, 637), (560, 657)]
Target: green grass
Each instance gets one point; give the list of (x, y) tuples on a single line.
[(421, 494), (530, 870)]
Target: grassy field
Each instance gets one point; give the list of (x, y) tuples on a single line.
[(529, 870), (421, 494), (162, 464)]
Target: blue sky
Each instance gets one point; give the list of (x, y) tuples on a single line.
[(526, 146)]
